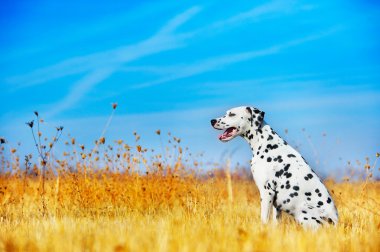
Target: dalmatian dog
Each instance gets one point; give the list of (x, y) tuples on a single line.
[(284, 179)]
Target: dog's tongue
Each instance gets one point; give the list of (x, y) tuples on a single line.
[(226, 133)]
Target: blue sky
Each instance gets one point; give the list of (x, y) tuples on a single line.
[(174, 65)]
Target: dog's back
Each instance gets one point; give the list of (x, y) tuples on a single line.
[(297, 188)]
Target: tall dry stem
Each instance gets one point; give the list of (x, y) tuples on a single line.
[(229, 182)]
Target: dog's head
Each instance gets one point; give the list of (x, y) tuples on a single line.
[(238, 121)]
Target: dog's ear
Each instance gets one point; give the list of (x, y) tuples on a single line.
[(260, 119), (257, 116), (249, 110)]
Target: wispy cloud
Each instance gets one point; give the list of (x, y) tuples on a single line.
[(79, 90), (220, 62), (177, 21), (165, 39), (99, 66), (255, 13), (270, 10)]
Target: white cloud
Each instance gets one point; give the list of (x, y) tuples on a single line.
[(254, 13), (101, 65), (79, 89), (163, 40), (177, 21), (219, 62)]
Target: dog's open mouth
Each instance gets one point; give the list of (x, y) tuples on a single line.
[(228, 134)]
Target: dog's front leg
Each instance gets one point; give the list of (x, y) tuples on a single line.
[(276, 215), (266, 205)]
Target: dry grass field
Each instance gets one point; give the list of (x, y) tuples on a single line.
[(114, 198)]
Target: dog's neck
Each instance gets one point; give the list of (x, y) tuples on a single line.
[(258, 136)]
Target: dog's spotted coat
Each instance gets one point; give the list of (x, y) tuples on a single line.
[(284, 179)]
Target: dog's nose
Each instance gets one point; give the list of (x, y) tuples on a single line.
[(213, 121)]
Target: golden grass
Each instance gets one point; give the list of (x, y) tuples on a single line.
[(107, 211), (115, 198)]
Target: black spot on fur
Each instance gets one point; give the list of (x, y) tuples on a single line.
[(308, 193), (286, 167), (310, 176), (279, 173), (328, 200), (270, 137), (291, 155), (278, 158), (288, 175), (296, 188), (320, 203), (287, 186), (317, 190), (303, 211), (269, 159)]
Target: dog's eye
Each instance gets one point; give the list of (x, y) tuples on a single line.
[(231, 114)]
